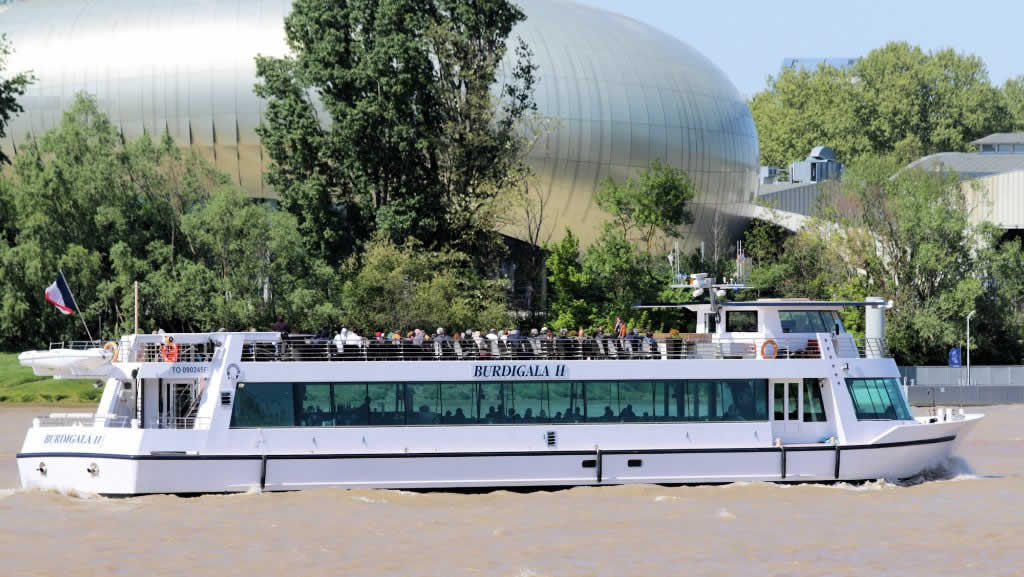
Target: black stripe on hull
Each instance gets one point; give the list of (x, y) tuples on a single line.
[(311, 456)]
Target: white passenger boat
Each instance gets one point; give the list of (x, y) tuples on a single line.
[(768, 390)]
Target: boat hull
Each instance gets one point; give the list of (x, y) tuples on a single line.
[(179, 472)]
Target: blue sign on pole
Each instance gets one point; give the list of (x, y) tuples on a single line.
[(954, 357)]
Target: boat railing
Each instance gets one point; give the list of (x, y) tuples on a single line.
[(118, 421), (201, 423), (82, 420), (148, 352), (76, 345), (690, 346)]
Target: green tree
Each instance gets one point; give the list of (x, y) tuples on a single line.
[(10, 89), (1013, 93), (906, 235), (413, 143), (400, 287), (568, 284), (626, 264), (656, 202), (897, 100), (110, 213)]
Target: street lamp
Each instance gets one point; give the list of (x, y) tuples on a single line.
[(969, 315)]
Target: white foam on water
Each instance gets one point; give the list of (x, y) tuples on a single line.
[(364, 499), (663, 498), (725, 515), (952, 469), (4, 493)]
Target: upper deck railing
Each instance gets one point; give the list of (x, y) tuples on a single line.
[(699, 346), (686, 346)]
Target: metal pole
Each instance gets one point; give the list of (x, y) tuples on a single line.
[(136, 307), (86, 325), (969, 315)]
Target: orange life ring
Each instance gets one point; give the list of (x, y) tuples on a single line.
[(112, 347), (169, 352), (775, 349)]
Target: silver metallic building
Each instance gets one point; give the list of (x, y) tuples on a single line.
[(623, 93)]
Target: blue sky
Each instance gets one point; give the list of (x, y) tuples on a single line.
[(748, 39)]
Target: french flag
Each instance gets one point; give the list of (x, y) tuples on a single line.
[(59, 295)]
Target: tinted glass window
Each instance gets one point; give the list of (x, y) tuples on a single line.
[(814, 408), (637, 400), (808, 321), (530, 401), (390, 404), (459, 403), (493, 402), (565, 401), (423, 402), (316, 409), (351, 404), (263, 405), (387, 403), (741, 321), (602, 401), (878, 399)]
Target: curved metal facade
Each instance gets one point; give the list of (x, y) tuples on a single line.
[(622, 92)]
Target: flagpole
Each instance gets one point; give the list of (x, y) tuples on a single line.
[(84, 324)]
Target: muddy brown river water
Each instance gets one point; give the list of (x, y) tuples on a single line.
[(965, 519)]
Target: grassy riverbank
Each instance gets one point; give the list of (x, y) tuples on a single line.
[(19, 385)]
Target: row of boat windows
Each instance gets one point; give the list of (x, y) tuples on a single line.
[(878, 399), (389, 404)]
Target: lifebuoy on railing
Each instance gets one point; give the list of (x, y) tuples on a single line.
[(112, 347), (769, 353)]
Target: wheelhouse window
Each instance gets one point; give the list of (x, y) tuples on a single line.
[(810, 321), (497, 403), (878, 400), (741, 321)]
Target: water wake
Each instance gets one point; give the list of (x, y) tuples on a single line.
[(952, 469)]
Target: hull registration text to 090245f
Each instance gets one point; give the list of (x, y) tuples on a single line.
[(504, 371)]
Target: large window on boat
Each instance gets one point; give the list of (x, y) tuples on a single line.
[(390, 404), (878, 399), (740, 321), (264, 405), (809, 321)]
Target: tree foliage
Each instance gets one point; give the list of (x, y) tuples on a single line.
[(384, 120), (400, 286), (897, 100), (1013, 93), (10, 89), (906, 236), (110, 213), (627, 264)]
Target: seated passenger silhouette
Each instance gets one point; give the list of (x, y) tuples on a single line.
[(608, 414), (627, 414), (460, 417)]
